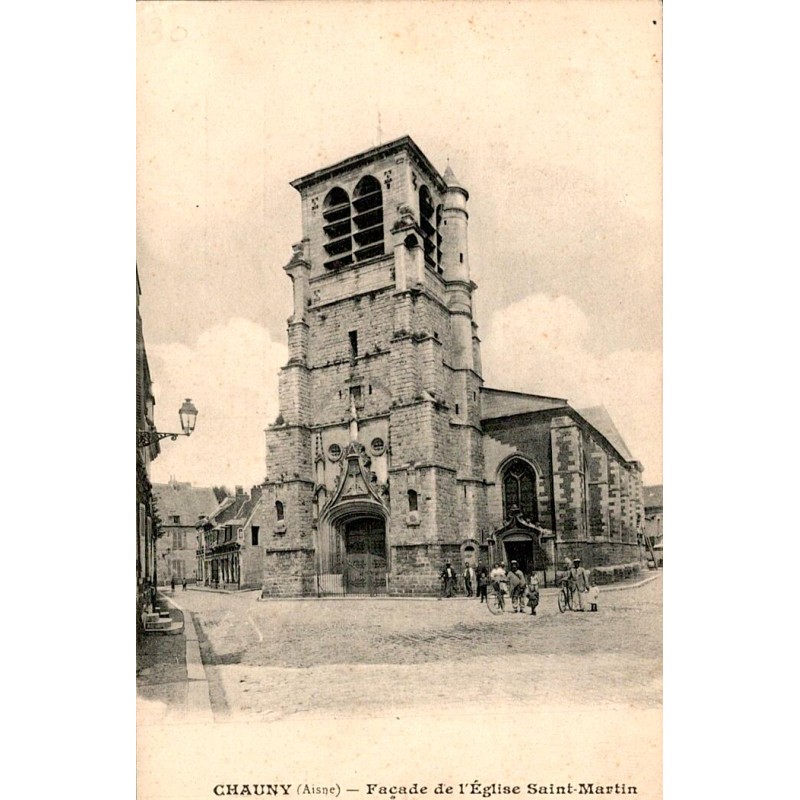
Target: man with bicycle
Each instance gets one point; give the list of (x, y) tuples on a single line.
[(498, 578), (568, 584), (579, 580)]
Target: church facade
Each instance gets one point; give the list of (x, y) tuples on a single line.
[(389, 456)]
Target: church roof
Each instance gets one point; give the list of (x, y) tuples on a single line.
[(453, 182), (502, 403), (499, 403), (450, 177), (600, 420)]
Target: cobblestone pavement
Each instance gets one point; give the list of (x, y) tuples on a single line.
[(273, 659)]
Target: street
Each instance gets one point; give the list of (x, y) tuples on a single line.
[(270, 660)]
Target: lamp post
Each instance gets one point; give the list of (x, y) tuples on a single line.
[(187, 414)]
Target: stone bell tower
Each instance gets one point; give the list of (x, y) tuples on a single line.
[(375, 463)]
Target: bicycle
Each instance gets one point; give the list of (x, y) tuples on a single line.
[(565, 597), (495, 600)]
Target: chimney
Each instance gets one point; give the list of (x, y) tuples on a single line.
[(239, 491)]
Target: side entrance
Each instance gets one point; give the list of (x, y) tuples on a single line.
[(519, 548)]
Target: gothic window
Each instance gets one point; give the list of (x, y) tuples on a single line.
[(519, 489), (413, 503), (279, 512), (426, 222), (337, 228), (368, 218)]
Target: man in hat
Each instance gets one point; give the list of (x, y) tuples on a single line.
[(483, 581), (449, 580), (469, 578), (580, 579), (517, 583)]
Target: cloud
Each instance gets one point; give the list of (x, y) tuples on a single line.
[(230, 374), (542, 344)]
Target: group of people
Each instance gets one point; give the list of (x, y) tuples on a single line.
[(524, 592)]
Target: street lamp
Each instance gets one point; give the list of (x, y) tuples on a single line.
[(187, 414)]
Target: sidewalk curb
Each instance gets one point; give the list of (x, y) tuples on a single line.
[(198, 698), (613, 588), (550, 591)]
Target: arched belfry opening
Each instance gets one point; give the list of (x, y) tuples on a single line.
[(427, 222), (368, 218), (338, 228)]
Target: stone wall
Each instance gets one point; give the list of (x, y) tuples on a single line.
[(417, 568), (289, 573)]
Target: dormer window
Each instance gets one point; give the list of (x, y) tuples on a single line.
[(337, 227), (368, 219)]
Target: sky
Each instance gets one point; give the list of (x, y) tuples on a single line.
[(548, 112)]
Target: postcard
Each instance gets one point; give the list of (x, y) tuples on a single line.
[(399, 491)]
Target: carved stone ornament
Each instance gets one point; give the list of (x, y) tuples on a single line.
[(355, 480), (405, 218)]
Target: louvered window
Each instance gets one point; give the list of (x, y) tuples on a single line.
[(338, 228)]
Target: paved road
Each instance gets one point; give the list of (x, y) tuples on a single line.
[(277, 659)]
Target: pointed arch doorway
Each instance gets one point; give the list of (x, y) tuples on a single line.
[(365, 558)]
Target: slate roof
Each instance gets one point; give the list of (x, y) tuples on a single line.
[(600, 420), (653, 496), (183, 500), (234, 510), (501, 403)]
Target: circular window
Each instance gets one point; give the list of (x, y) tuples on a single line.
[(377, 446), (334, 452)]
